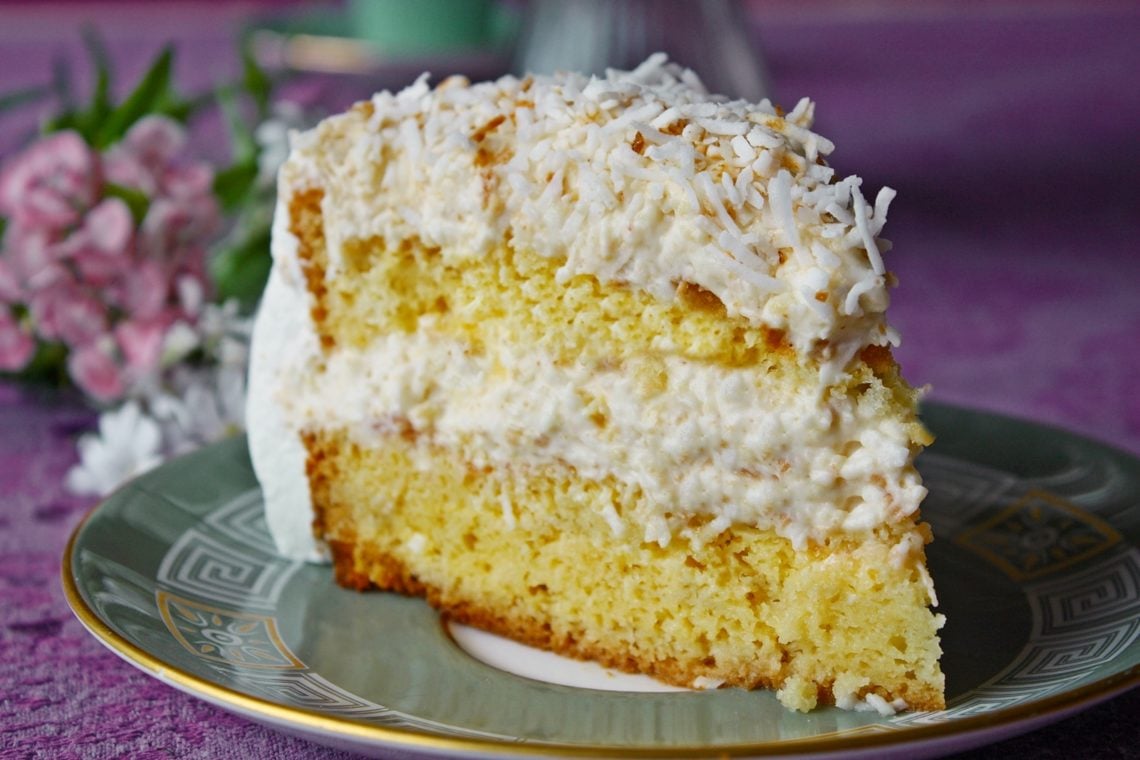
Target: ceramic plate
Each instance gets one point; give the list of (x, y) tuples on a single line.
[(1036, 561)]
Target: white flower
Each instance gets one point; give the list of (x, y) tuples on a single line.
[(272, 136), (128, 444), (180, 341), (198, 405), (231, 396), (224, 334), (197, 399), (191, 294), (206, 405)]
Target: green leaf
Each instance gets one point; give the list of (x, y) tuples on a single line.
[(199, 101), (100, 106), (96, 49), (254, 79), (179, 109), (153, 90), (21, 97), (241, 271), (61, 82), (3, 226), (135, 199), (48, 365), (62, 121), (242, 142), (232, 185), (61, 88)]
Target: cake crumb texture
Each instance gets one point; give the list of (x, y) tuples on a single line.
[(746, 608)]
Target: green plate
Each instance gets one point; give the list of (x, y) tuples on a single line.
[(1035, 561)]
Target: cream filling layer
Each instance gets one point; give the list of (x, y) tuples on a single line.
[(699, 440)]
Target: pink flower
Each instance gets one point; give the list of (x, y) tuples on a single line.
[(141, 159), (89, 276), (194, 180), (69, 313), (96, 372), (16, 345), (141, 344), (31, 256), (10, 290), (51, 183), (101, 248), (142, 292), (178, 228)]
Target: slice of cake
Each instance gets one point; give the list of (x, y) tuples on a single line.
[(601, 365)]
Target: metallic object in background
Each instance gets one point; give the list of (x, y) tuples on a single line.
[(708, 36)]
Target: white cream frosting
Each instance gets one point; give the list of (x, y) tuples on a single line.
[(735, 203), (717, 442)]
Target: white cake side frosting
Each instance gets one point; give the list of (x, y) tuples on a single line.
[(586, 171), (283, 337)]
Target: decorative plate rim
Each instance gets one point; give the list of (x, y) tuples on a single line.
[(1016, 719)]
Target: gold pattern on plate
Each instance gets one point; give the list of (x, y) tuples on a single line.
[(236, 638), (1038, 535)]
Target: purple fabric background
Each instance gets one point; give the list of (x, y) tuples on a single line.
[(1011, 134)]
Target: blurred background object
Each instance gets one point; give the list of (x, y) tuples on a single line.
[(357, 47), (709, 36), (424, 26), (388, 42)]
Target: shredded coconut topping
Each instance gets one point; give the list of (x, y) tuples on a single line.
[(638, 177)]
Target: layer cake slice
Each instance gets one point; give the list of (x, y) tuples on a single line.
[(601, 364)]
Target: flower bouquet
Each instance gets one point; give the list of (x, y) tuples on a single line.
[(128, 267)]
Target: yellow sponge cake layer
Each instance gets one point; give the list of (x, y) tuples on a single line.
[(499, 548), (513, 295)]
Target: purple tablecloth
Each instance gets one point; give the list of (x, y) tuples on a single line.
[(1011, 134)]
